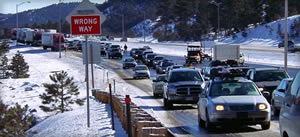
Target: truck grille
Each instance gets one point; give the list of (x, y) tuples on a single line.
[(242, 107), (188, 91)]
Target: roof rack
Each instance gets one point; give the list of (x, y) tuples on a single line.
[(226, 73)]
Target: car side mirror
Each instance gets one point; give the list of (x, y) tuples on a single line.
[(266, 93), (206, 78), (281, 90)]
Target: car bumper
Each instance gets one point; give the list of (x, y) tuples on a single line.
[(158, 90), (141, 75), (183, 99), (247, 118)]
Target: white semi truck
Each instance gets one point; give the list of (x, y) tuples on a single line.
[(51, 40), (224, 52)]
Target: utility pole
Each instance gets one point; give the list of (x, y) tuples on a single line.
[(17, 16), (59, 38), (123, 33), (285, 34), (144, 25), (218, 12)]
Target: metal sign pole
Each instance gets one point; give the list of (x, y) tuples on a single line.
[(87, 80), (92, 65)]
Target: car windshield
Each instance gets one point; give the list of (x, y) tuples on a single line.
[(115, 50), (234, 89), (141, 68), (151, 56), (185, 76), (129, 60), (115, 46), (161, 78), (193, 53), (158, 58), (274, 75), (166, 64)]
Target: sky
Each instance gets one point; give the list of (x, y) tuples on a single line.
[(9, 6)]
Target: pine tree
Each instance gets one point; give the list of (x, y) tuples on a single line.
[(19, 67), (3, 48), (4, 67), (60, 94), (14, 121)]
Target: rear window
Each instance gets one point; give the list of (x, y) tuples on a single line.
[(166, 64), (234, 89), (274, 75), (158, 58), (129, 60), (141, 68)]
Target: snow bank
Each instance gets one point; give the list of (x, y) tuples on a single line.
[(263, 35)]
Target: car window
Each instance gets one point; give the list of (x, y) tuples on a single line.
[(141, 68), (282, 85), (275, 75), (295, 85), (234, 89), (185, 76), (161, 78)]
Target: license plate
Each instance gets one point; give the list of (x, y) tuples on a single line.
[(242, 115)]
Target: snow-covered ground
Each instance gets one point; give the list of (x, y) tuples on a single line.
[(42, 64), (263, 35)]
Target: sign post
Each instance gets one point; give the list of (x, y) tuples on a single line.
[(86, 20)]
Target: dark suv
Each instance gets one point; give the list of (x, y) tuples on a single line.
[(267, 79), (183, 86)]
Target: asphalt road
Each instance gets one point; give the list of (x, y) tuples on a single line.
[(182, 120)]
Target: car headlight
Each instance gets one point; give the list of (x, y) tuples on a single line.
[(220, 107), (261, 89), (148, 60), (164, 70), (262, 106)]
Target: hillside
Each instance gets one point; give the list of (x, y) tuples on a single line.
[(269, 34), (38, 16)]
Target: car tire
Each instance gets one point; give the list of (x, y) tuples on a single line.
[(155, 94), (167, 104), (266, 125), (275, 111), (201, 122), (208, 125)]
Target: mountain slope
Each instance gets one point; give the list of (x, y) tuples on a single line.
[(269, 34), (38, 16)]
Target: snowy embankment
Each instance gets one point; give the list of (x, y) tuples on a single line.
[(26, 91), (264, 35), (269, 34)]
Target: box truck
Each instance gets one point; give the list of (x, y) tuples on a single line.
[(51, 40)]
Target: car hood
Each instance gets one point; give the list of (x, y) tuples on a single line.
[(267, 84), (186, 83), (141, 71), (239, 100)]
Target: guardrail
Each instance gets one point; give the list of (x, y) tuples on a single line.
[(143, 124)]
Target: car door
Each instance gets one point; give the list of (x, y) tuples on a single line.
[(279, 94), (203, 101), (290, 115)]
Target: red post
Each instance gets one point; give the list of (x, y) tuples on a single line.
[(127, 101)]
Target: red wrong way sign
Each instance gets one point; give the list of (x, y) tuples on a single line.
[(85, 25)]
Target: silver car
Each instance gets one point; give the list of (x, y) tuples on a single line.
[(289, 120), (141, 71), (233, 102), (158, 85), (279, 94)]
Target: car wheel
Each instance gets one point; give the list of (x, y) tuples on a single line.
[(208, 125), (167, 104), (155, 94), (201, 122), (275, 111), (266, 125)]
